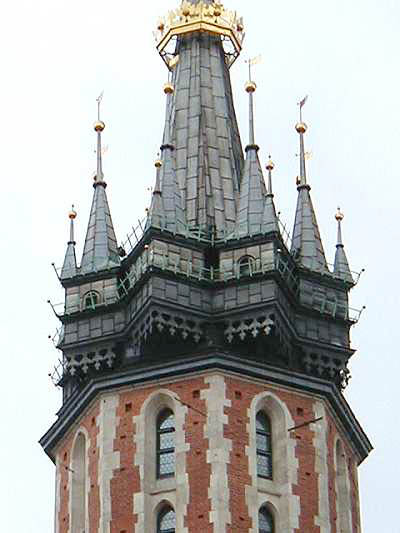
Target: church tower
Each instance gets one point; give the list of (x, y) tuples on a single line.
[(204, 360)]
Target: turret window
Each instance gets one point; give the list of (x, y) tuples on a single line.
[(264, 445), (91, 300), (165, 444), (265, 521), (246, 265), (166, 521)]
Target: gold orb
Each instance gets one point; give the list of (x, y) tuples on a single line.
[(217, 11), (99, 126), (239, 27), (72, 214), (161, 26), (185, 11), (270, 165), (301, 127), (169, 88), (339, 215), (250, 87), (158, 163)]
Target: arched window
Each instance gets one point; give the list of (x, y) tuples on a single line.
[(246, 265), (265, 521), (78, 489), (166, 521), (264, 445), (91, 300), (165, 444)]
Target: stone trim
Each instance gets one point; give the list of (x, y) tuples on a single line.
[(321, 467), (278, 492), (154, 492), (218, 453), (343, 490), (81, 431), (109, 460), (57, 503)]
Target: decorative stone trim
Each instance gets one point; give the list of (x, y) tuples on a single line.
[(218, 454), (342, 486), (278, 492), (321, 467), (155, 492), (72, 471), (109, 460)]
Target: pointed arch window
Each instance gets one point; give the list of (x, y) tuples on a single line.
[(264, 445), (246, 265), (165, 444), (265, 521), (166, 520), (91, 300)]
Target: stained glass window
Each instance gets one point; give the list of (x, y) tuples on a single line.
[(264, 445), (166, 444), (166, 521), (265, 521)]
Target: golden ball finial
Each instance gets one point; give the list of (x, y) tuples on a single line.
[(72, 214), (339, 215), (270, 165), (99, 126), (301, 127), (158, 163), (250, 87), (169, 88)]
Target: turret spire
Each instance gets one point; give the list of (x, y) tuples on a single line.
[(341, 268), (69, 268), (166, 209), (306, 244), (252, 187), (270, 220), (100, 251)]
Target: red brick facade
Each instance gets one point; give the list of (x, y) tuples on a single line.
[(126, 482)]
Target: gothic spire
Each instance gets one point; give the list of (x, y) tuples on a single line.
[(69, 268), (252, 187), (100, 249), (270, 220), (341, 267), (307, 243)]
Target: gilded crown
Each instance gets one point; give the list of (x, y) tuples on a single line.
[(203, 17)]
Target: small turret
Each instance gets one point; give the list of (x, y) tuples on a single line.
[(341, 268), (307, 244), (100, 250), (252, 186), (270, 220), (69, 269)]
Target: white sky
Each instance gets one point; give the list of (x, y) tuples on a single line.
[(58, 55)]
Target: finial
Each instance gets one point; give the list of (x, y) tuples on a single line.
[(72, 216), (270, 167), (250, 88), (301, 128), (339, 217), (99, 128)]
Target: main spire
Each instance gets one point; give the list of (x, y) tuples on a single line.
[(100, 249), (208, 156), (306, 243)]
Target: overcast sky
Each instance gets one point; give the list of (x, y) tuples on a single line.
[(58, 55)]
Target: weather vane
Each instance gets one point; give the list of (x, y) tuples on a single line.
[(253, 61), (98, 100), (301, 105)]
